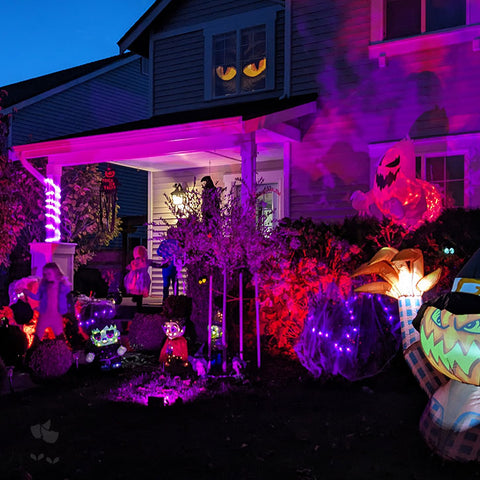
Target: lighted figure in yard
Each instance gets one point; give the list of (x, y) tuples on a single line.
[(440, 346), (397, 193), (96, 318), (137, 281), (175, 350), (52, 295), (449, 329)]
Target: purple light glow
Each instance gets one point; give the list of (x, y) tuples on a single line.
[(52, 206)]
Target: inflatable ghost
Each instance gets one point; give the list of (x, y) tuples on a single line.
[(449, 329), (396, 193)]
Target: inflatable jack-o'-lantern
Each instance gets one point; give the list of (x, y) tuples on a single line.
[(449, 329), (396, 193)]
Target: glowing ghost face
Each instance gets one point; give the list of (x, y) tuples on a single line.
[(107, 336), (451, 344), (173, 329)]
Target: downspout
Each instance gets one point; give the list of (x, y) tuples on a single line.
[(287, 55), (32, 170)]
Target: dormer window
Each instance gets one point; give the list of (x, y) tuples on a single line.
[(240, 60)]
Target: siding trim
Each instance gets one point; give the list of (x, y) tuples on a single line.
[(72, 83)]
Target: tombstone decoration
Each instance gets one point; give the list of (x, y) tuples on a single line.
[(108, 200)]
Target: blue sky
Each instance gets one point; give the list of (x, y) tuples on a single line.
[(44, 36)]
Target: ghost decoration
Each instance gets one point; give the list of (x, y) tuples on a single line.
[(396, 193)]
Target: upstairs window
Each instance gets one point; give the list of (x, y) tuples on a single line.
[(240, 54), (240, 61), (405, 18)]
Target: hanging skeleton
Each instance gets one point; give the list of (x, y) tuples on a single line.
[(108, 200)]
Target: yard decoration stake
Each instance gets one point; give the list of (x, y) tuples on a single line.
[(240, 320), (210, 313)]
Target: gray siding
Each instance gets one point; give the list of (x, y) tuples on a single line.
[(118, 96), (178, 72), (192, 12)]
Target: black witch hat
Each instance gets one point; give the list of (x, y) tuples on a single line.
[(464, 298)]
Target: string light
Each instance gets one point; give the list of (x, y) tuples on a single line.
[(53, 196)]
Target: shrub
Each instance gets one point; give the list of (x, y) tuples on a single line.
[(146, 332), (51, 359)]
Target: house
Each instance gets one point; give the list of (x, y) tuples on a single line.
[(307, 95)]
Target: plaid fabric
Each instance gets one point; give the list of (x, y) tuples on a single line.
[(461, 446), (408, 308), (428, 378)]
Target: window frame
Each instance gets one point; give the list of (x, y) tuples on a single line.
[(423, 169), (237, 23), (380, 48)]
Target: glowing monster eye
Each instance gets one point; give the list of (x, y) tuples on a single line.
[(97, 336), (225, 74), (110, 333), (395, 163), (471, 327), (437, 318), (251, 70)]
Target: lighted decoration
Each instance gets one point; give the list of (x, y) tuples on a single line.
[(175, 349), (450, 339), (108, 200), (53, 196), (404, 279), (396, 193), (108, 351), (354, 338), (96, 319)]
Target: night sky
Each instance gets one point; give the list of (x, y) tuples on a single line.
[(41, 37)]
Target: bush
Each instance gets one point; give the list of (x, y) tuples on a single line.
[(146, 332), (51, 359), (3, 372)]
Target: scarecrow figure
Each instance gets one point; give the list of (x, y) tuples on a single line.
[(449, 329)]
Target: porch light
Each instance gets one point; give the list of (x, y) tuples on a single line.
[(177, 195)]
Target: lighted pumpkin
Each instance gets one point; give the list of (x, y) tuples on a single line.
[(451, 343), (397, 193)]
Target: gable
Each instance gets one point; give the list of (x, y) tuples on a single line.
[(167, 16)]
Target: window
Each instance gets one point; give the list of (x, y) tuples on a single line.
[(240, 61), (404, 18), (240, 54), (447, 173), (399, 27)]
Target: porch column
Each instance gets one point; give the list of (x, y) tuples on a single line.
[(248, 150)]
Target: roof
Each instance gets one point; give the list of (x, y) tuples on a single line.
[(136, 39), (246, 110), (21, 91)]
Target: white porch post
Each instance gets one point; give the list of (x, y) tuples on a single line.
[(52, 250), (248, 152)]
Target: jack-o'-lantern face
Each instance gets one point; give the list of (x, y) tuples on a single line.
[(106, 336), (398, 162), (451, 344)]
